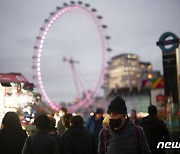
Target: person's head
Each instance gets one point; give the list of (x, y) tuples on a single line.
[(133, 114), (66, 120), (152, 110), (42, 122), (76, 121), (62, 111), (99, 113), (11, 121), (118, 113), (52, 123)]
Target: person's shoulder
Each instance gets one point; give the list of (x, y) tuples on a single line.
[(50, 138), (91, 118), (139, 128), (144, 118), (105, 129), (2, 132), (66, 133), (160, 122)]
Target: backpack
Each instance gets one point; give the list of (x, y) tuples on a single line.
[(105, 138)]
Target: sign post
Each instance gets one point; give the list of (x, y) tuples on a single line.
[(169, 44)]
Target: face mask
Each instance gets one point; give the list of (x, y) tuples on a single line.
[(60, 114), (115, 123)]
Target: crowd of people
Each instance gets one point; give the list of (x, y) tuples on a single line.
[(117, 133)]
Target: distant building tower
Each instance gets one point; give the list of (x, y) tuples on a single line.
[(124, 72), (127, 72)]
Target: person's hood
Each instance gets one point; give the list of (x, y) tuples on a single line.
[(78, 131), (150, 119)]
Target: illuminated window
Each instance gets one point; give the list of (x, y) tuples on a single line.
[(134, 82), (137, 75), (142, 65), (150, 76)]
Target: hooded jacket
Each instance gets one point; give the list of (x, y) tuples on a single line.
[(155, 131), (40, 143), (124, 141), (78, 140)]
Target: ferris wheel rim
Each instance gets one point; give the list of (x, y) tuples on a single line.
[(39, 46)]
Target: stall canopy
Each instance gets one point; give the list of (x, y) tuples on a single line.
[(12, 77)]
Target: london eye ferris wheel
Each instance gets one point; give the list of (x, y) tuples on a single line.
[(73, 35)]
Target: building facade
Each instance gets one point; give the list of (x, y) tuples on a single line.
[(127, 71)]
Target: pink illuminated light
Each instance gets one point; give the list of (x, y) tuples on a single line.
[(47, 27)]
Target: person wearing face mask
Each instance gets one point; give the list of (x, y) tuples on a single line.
[(122, 136), (60, 127)]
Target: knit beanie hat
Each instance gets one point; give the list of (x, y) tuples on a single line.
[(99, 111), (117, 106)]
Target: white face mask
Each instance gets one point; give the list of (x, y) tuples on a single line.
[(60, 114)]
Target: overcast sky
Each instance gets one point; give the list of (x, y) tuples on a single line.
[(134, 26)]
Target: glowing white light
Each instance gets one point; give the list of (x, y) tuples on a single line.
[(49, 25), (39, 59), (45, 33), (38, 69), (38, 64), (91, 114), (51, 21), (57, 15), (42, 41), (39, 73), (74, 114), (40, 46), (40, 50), (54, 18), (40, 82), (43, 37), (39, 55), (28, 119), (47, 29)]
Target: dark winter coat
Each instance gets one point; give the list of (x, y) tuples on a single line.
[(12, 143), (125, 141), (94, 125), (79, 141), (40, 143), (155, 131), (60, 128)]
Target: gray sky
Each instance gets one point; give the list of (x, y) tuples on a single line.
[(134, 26)]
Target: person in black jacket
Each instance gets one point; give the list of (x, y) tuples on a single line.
[(12, 136), (122, 136), (155, 130), (41, 142), (78, 140), (53, 132)]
